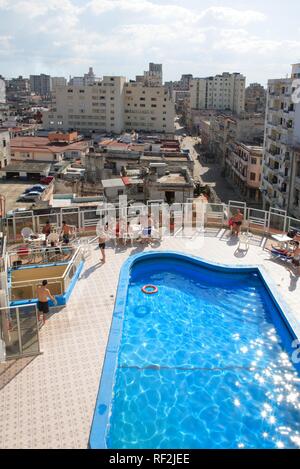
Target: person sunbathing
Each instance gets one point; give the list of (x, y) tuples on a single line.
[(285, 252)]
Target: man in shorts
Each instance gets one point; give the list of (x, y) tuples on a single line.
[(102, 238), (43, 294)]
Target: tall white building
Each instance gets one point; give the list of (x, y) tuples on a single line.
[(98, 107), (222, 92), (281, 168), (148, 108), (111, 105)]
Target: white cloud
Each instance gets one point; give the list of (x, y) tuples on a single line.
[(233, 16)]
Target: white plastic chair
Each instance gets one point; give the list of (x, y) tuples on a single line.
[(244, 242), (26, 233)]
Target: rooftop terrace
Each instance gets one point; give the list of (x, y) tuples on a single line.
[(47, 401)]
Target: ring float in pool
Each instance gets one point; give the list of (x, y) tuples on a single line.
[(149, 289)]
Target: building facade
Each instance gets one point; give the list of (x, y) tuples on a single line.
[(153, 77), (58, 81), (148, 108), (255, 98), (98, 107), (4, 148), (243, 169), (282, 141), (111, 105), (221, 129), (40, 84), (222, 92)]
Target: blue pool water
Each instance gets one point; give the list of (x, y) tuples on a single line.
[(203, 363)]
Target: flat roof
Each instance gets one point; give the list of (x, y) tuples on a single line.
[(173, 178), (33, 143), (26, 167), (117, 182)]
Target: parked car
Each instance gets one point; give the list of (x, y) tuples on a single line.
[(33, 195), (36, 188), (46, 180)]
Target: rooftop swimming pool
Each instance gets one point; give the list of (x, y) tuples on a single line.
[(203, 363)]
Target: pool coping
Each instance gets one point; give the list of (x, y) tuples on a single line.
[(102, 412)]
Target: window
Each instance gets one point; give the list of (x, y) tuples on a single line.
[(252, 176), (70, 91), (153, 105), (253, 160), (81, 91)]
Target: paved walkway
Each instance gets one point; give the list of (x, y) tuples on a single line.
[(48, 401)]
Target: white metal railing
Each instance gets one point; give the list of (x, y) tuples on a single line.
[(62, 281), (85, 221)]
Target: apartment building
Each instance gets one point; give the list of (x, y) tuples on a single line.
[(98, 107), (243, 169), (153, 77), (255, 98), (280, 182), (219, 130), (221, 92), (2, 91), (4, 148), (40, 84), (87, 79), (148, 108), (58, 81), (111, 105)]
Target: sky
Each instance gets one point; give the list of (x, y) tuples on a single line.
[(259, 38)]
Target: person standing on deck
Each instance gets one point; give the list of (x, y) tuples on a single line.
[(43, 294)]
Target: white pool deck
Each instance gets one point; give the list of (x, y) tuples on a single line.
[(48, 401)]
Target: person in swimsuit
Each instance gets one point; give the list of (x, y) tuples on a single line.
[(296, 257), (237, 221), (66, 232), (102, 238), (147, 230), (43, 294)]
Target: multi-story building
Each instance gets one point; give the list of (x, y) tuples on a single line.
[(40, 84), (223, 129), (2, 91), (255, 98), (153, 77), (18, 85), (111, 105), (222, 92), (98, 107), (58, 81), (281, 145), (4, 148), (243, 168), (87, 79), (148, 108)]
